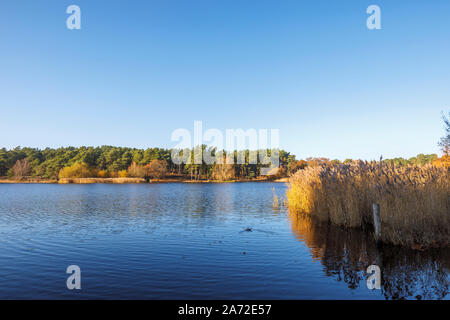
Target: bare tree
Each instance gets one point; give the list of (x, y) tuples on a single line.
[(137, 171), (445, 141), (22, 168)]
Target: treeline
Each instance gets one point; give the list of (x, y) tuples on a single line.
[(420, 160), (109, 161), (48, 163)]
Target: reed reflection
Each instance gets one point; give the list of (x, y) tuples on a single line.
[(346, 254)]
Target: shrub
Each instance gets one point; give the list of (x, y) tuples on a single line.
[(78, 170), (103, 174), (122, 174)]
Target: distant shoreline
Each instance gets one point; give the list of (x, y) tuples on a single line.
[(125, 181)]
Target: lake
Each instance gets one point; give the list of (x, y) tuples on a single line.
[(193, 241)]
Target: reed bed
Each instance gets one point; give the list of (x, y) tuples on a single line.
[(414, 200)]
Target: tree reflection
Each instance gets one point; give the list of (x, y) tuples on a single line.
[(346, 254)]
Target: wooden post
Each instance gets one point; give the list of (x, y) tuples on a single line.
[(377, 221)]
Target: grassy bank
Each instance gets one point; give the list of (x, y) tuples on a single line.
[(414, 200), (125, 180), (100, 180), (163, 180), (27, 180)]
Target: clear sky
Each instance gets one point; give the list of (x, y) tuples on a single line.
[(137, 70)]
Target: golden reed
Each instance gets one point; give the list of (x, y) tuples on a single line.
[(414, 200)]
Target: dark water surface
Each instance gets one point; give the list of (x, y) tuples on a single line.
[(177, 241)]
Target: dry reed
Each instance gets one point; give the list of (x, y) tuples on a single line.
[(414, 200)]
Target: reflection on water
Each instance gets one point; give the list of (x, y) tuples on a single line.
[(192, 241), (346, 253)]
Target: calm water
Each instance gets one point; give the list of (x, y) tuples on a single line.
[(176, 241)]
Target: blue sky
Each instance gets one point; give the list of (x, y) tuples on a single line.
[(137, 70)]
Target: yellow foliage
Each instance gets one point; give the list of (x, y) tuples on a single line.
[(122, 174), (77, 170), (444, 161), (103, 174)]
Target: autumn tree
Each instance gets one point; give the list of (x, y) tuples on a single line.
[(156, 169)]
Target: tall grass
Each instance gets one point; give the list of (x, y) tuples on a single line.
[(414, 201)]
